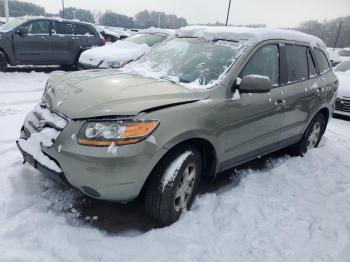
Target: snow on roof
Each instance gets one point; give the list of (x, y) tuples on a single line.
[(153, 30), (253, 35), (56, 18)]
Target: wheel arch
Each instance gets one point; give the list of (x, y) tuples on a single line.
[(325, 111), (207, 150), (2, 50)]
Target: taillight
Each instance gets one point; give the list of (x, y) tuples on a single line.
[(102, 42)]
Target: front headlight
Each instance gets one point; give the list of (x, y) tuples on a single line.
[(124, 132)]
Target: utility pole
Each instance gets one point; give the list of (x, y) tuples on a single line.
[(7, 13), (74, 14), (228, 12), (62, 8), (158, 19), (336, 40)]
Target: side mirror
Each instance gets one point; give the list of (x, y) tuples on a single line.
[(21, 31), (255, 84)]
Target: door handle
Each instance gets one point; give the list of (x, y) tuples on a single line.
[(319, 89), (280, 102)]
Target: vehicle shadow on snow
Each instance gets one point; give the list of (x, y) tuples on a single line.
[(116, 218), (341, 117), (39, 69)]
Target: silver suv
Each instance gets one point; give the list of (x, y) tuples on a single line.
[(198, 104)]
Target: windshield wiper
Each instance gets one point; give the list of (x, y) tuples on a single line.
[(168, 79)]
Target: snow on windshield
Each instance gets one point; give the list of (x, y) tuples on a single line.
[(191, 62)]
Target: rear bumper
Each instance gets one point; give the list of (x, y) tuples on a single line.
[(58, 177)]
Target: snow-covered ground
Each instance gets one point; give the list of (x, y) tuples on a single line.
[(288, 209)]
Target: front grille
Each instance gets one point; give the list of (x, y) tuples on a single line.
[(342, 105), (40, 119)]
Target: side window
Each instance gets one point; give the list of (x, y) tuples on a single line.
[(265, 62), (321, 60), (297, 63), (312, 65), (83, 30), (38, 27), (63, 28)]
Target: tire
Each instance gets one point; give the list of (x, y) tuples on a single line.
[(167, 194), (311, 137), (74, 66), (3, 62)]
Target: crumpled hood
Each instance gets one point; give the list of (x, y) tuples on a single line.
[(113, 55), (97, 93)]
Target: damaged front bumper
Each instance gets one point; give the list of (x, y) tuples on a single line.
[(56, 176), (51, 147)]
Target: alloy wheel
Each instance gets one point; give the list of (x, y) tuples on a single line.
[(314, 136), (185, 188)]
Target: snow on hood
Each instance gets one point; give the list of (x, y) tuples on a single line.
[(344, 84), (153, 30), (114, 54), (253, 35), (118, 94)]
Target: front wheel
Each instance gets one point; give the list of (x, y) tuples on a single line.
[(311, 137), (3, 62), (173, 185)]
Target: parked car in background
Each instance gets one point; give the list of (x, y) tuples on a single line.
[(122, 52), (45, 41), (342, 106), (107, 34), (338, 55), (195, 105), (123, 33)]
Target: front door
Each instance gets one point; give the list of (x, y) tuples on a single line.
[(254, 120), (35, 47)]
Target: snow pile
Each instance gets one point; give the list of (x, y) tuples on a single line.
[(113, 55), (252, 35)]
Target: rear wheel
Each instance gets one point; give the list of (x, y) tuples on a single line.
[(3, 62), (311, 137), (173, 185)]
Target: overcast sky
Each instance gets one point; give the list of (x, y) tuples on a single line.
[(274, 13)]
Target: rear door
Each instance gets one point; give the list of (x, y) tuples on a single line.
[(302, 93), (65, 44), (254, 120), (35, 47)]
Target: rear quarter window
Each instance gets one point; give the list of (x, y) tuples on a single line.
[(63, 28), (321, 60), (83, 30), (297, 63)]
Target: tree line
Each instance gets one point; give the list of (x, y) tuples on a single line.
[(328, 30), (143, 19)]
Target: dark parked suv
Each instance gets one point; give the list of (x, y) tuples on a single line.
[(45, 41)]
